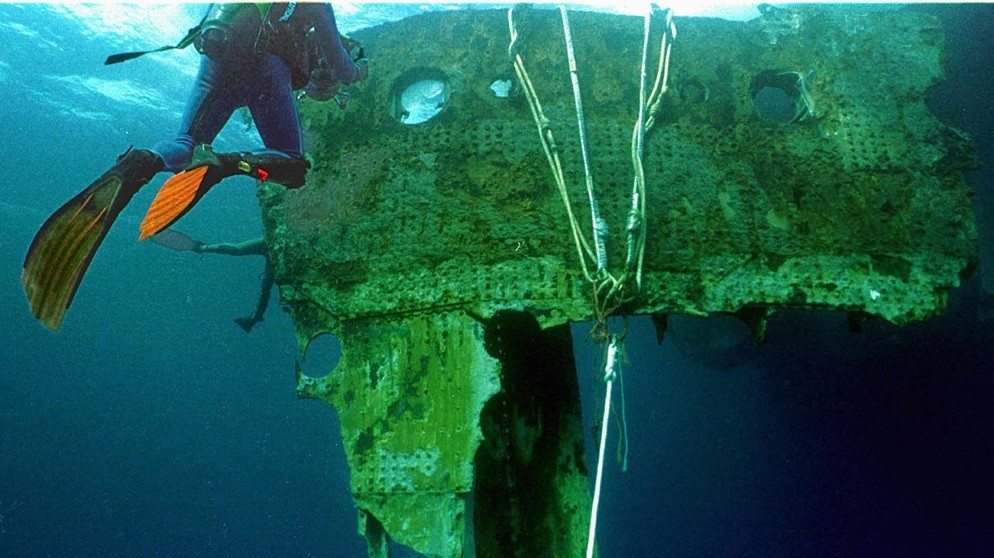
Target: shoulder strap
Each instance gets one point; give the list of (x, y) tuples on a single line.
[(184, 42)]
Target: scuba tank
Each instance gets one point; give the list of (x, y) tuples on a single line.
[(230, 31)]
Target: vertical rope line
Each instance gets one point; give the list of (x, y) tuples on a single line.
[(600, 473), (610, 372), (599, 225), (548, 143), (637, 221), (636, 215)]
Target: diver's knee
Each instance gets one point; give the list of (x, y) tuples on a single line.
[(176, 156)]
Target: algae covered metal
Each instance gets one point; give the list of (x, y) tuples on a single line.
[(793, 164)]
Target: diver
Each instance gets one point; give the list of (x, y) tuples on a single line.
[(254, 56), (181, 242)]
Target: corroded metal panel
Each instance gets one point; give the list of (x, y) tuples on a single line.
[(793, 163), (861, 206)]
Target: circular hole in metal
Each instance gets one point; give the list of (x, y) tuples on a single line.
[(321, 356), (779, 96), (419, 95)]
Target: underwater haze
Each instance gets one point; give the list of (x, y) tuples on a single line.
[(150, 425)]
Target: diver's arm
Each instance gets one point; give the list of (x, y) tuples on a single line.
[(322, 17)]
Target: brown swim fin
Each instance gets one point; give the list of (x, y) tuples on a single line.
[(177, 196), (65, 245)]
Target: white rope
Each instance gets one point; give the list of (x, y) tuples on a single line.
[(636, 215), (648, 107), (598, 224), (611, 371), (606, 287), (548, 145)]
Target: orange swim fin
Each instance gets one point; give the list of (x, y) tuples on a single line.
[(65, 245), (181, 192), (177, 196)]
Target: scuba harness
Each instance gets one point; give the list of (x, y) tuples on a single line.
[(238, 31), (232, 31)]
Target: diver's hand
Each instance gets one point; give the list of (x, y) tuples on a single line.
[(361, 71)]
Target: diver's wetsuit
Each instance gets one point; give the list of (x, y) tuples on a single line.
[(67, 241), (263, 84)]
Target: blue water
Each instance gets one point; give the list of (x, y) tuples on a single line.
[(151, 425)]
